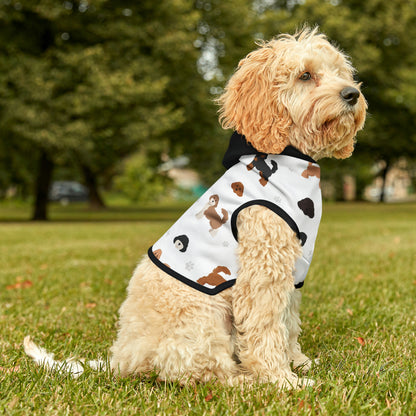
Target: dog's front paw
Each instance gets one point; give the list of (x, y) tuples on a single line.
[(306, 382), (297, 383), (304, 364)]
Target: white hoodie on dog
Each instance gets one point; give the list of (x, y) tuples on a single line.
[(200, 248)]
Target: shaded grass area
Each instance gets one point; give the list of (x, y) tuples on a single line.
[(63, 282), (80, 211)]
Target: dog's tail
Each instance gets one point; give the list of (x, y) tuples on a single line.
[(71, 366)]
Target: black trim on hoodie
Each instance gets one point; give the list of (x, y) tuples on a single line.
[(239, 146)]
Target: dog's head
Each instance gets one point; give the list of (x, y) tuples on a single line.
[(295, 90)]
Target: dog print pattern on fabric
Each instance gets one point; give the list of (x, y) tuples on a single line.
[(277, 182), (181, 242), (259, 162), (211, 214), (312, 171), (307, 207), (238, 188), (214, 278)]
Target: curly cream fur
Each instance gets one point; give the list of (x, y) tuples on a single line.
[(188, 336), (267, 102), (248, 332), (168, 326), (262, 296)]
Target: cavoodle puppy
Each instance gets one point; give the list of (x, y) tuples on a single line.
[(290, 103)]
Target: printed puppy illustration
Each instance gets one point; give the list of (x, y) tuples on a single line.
[(214, 278), (259, 162), (181, 242), (238, 188), (210, 212), (312, 171), (307, 207), (158, 255)]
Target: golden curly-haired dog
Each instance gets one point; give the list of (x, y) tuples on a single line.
[(294, 90)]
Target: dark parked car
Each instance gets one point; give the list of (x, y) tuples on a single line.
[(68, 191)]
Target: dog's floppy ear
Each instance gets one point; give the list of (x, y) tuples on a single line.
[(250, 103)]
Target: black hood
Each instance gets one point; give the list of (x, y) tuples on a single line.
[(239, 146)]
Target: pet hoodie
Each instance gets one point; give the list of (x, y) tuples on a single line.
[(200, 249)]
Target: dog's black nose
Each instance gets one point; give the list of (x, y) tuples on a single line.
[(350, 95)]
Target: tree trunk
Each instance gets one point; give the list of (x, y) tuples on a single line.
[(42, 185), (384, 173), (95, 199)]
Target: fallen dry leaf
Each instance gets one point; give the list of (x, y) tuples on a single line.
[(209, 397), (91, 305), (359, 277), (361, 341), (20, 285), (302, 405), (350, 312)]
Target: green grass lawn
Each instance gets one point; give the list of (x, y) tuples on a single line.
[(62, 282)]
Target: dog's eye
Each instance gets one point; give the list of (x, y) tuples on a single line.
[(306, 76)]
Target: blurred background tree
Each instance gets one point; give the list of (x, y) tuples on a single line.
[(141, 181), (84, 85), (87, 85)]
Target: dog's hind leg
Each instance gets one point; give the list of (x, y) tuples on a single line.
[(141, 323), (166, 326), (267, 251), (199, 348), (293, 323)]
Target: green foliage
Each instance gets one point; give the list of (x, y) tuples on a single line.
[(91, 83), (16, 168), (78, 92), (223, 35), (334, 172), (140, 181)]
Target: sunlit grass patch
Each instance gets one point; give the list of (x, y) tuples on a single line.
[(63, 282)]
